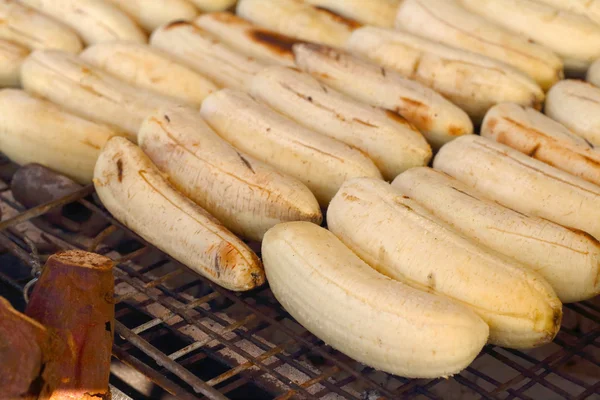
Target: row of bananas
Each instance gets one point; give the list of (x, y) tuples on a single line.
[(219, 127)]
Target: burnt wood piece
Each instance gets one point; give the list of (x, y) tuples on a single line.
[(73, 299)]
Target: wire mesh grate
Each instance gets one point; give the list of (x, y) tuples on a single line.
[(195, 339)]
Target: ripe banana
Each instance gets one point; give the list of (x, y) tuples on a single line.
[(152, 14), (388, 139), (94, 20), (204, 53), (593, 73), (401, 239), (35, 130), (371, 318), (318, 161), (213, 5), (575, 38), (378, 12), (534, 134), (29, 28), (137, 195), (87, 91), (437, 118), (471, 81), (522, 183), (576, 105), (589, 8), (148, 68), (568, 259), (299, 20), (445, 21), (246, 195), (12, 56), (264, 45)]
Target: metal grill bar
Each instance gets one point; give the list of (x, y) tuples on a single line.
[(252, 343)]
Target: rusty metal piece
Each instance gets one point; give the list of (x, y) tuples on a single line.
[(23, 347), (74, 300), (34, 184)]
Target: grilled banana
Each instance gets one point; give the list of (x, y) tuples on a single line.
[(522, 183), (35, 130), (29, 28), (12, 56), (575, 38), (204, 53), (318, 161), (152, 14), (372, 12), (568, 259), (536, 135), (213, 5), (299, 20), (401, 239), (264, 45), (437, 118), (576, 105), (88, 91), (137, 195), (471, 81), (445, 21), (149, 68), (388, 139), (373, 319), (246, 195), (94, 20)]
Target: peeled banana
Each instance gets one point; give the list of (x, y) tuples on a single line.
[(204, 53), (522, 183), (246, 195), (575, 38), (318, 161), (12, 56), (137, 195), (576, 105), (94, 20), (538, 136), (299, 20), (152, 14), (589, 8), (33, 30), (35, 130), (213, 5), (388, 139), (401, 239), (568, 259), (264, 45), (371, 318), (82, 89), (372, 12), (149, 68), (471, 81), (445, 21), (437, 118)]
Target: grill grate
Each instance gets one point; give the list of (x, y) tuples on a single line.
[(194, 339)]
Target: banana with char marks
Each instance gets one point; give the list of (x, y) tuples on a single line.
[(246, 195), (136, 194), (318, 161), (436, 117)]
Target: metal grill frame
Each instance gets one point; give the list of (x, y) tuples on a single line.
[(281, 370)]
